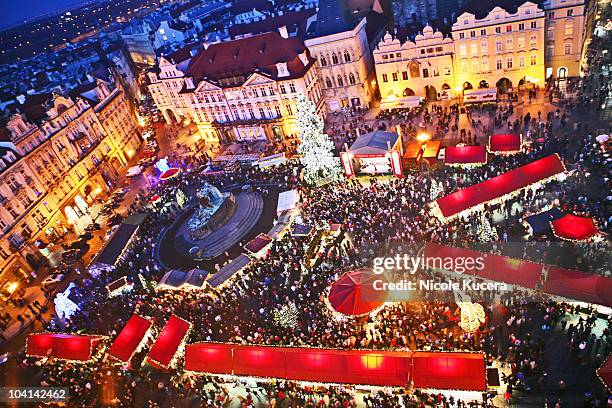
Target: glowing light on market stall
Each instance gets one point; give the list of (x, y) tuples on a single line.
[(423, 137)]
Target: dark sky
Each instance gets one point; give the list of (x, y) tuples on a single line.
[(13, 11)]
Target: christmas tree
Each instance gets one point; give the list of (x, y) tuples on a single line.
[(316, 148), (436, 189), (486, 233), (286, 315)]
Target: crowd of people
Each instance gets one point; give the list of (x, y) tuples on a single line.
[(376, 216)]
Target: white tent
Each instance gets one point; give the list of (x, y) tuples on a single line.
[(287, 200), (134, 171), (480, 95)]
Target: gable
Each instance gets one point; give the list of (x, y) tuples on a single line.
[(257, 79)]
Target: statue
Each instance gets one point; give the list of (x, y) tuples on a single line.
[(210, 200)]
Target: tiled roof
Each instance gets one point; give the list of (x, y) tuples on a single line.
[(292, 19), (243, 6), (241, 58)]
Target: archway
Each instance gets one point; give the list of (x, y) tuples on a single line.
[(503, 85), (408, 92), (483, 84), (430, 93), (562, 72), (467, 85), (71, 215), (171, 116)]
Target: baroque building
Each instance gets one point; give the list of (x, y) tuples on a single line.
[(57, 155), (243, 89)]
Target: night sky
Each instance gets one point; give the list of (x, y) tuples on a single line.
[(14, 11)]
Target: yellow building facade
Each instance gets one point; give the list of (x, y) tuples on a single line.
[(503, 50)]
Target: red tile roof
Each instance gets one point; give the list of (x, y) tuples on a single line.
[(240, 58)]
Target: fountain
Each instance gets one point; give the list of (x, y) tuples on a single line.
[(215, 208)]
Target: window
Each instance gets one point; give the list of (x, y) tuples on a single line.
[(463, 50), (483, 46), (271, 89), (464, 67), (255, 93), (521, 61), (436, 72), (569, 27), (568, 48), (508, 28), (347, 56), (405, 75), (394, 75), (551, 15), (533, 41), (521, 26), (261, 112), (474, 48), (550, 50), (509, 44), (292, 87), (269, 111), (340, 81), (473, 33), (384, 78), (323, 61), (485, 64), (334, 58), (439, 49), (289, 110), (509, 62), (498, 46), (422, 51), (352, 78), (282, 88), (521, 43), (461, 36), (497, 30), (263, 92), (475, 65), (499, 64), (534, 24), (385, 56), (483, 32), (570, 12), (533, 60), (425, 73), (278, 111), (251, 113), (398, 54), (328, 82)]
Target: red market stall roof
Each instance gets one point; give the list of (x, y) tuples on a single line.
[(505, 143), (353, 294), (258, 243), (460, 371), (467, 155), (168, 341), (432, 148), (62, 346), (498, 187), (567, 283), (605, 373), (130, 337), (428, 150), (170, 173), (413, 151), (574, 228), (465, 371)]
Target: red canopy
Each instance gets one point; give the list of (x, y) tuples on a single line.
[(605, 373), (353, 293), (460, 371), (258, 243), (475, 155), (538, 171), (63, 346), (505, 143), (128, 340), (568, 283), (168, 341), (463, 371), (573, 228), (168, 174)]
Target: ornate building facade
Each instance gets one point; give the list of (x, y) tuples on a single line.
[(243, 89), (57, 155)]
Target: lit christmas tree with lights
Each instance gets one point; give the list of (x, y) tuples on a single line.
[(486, 233), (316, 147)]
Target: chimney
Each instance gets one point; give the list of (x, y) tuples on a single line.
[(189, 83), (283, 31)]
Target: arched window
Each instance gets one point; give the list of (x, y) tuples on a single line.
[(328, 82), (334, 58), (352, 79), (323, 61), (347, 56), (340, 82)]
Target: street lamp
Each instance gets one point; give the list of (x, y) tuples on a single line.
[(423, 137)]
